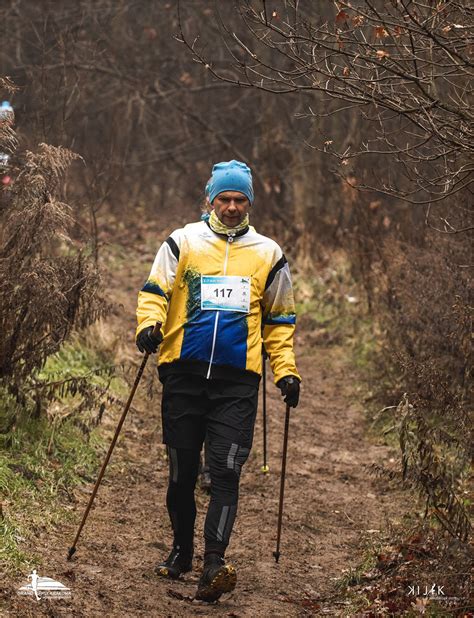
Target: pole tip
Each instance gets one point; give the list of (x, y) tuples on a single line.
[(276, 555), (71, 552), (265, 469)]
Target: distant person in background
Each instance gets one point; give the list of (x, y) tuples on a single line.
[(7, 119), (212, 285)]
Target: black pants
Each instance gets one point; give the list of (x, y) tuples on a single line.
[(223, 412)]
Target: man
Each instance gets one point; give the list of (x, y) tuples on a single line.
[(212, 285)]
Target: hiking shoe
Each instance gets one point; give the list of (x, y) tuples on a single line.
[(178, 562), (216, 579), (205, 481)]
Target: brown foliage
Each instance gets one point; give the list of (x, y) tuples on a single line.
[(48, 285), (424, 307)]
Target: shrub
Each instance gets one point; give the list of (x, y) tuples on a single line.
[(423, 303), (48, 282)]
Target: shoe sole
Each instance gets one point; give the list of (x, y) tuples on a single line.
[(163, 571), (223, 581)]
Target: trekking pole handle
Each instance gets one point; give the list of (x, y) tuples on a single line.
[(156, 329)]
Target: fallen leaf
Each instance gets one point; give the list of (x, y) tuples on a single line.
[(342, 16), (380, 32), (420, 605), (177, 595), (186, 78), (150, 33)]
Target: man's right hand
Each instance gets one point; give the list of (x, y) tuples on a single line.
[(147, 342)]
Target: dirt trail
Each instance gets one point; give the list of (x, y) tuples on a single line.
[(332, 505)]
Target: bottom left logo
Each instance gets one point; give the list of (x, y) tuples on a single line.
[(44, 587)]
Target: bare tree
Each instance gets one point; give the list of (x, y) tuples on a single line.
[(403, 68), (387, 89)]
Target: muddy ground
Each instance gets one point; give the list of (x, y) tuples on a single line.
[(332, 506)]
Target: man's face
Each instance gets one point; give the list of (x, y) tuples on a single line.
[(231, 207)]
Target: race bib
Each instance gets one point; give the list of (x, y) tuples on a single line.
[(225, 293)]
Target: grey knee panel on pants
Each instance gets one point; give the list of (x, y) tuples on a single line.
[(226, 523), (228, 456), (173, 464), (226, 461)]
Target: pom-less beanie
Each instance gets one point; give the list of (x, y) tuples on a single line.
[(230, 176)]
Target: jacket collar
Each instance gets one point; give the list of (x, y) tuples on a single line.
[(236, 235)]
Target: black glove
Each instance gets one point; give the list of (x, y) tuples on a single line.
[(290, 386), (147, 342)]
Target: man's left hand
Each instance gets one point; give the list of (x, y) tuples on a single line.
[(290, 389)]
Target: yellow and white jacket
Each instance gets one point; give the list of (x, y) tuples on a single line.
[(220, 343)]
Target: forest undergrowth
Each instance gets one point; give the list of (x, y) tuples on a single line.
[(378, 278), (41, 476), (422, 547), (43, 458)]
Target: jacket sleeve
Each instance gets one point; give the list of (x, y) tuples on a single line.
[(154, 296), (279, 319)]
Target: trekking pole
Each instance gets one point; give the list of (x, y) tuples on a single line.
[(276, 553), (72, 550), (265, 467)]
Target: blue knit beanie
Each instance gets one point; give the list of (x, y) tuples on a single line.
[(230, 176)]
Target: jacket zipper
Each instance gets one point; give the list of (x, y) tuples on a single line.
[(230, 240)]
